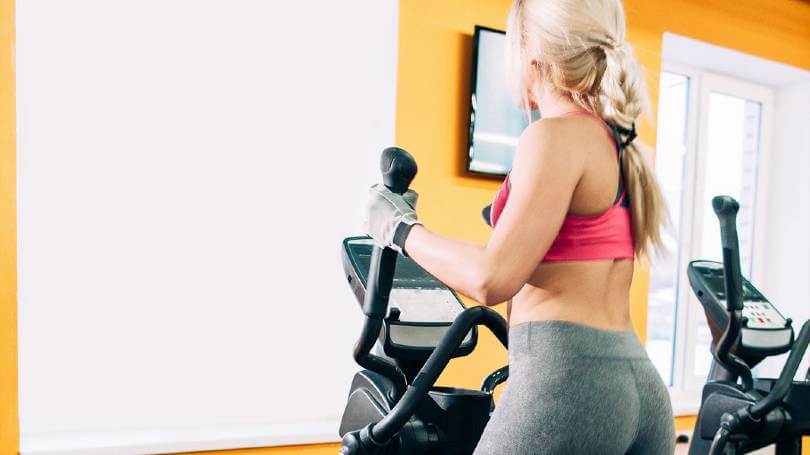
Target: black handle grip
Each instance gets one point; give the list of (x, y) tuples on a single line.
[(398, 169), (726, 208)]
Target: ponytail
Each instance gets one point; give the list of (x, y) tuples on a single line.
[(623, 100)]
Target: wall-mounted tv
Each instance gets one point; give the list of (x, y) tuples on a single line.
[(495, 119)]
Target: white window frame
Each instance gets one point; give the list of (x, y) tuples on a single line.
[(686, 387)]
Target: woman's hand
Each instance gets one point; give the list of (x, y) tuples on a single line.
[(390, 216)]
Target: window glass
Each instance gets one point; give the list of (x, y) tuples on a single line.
[(664, 271), (732, 150)]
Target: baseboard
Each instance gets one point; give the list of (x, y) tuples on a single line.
[(173, 440)]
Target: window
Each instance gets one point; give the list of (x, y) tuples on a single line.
[(664, 273), (710, 131)]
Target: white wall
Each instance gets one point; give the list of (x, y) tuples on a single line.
[(186, 171), (787, 275)]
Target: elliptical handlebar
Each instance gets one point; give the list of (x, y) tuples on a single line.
[(398, 169), (375, 437), (782, 385), (436, 363), (726, 208)]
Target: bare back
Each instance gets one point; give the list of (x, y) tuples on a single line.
[(594, 292)]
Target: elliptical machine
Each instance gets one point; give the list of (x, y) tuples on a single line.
[(738, 414), (416, 326)]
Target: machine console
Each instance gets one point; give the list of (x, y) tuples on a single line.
[(766, 331), (420, 307)]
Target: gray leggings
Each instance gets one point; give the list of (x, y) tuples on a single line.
[(574, 389)]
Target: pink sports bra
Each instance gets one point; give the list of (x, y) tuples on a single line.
[(608, 235)]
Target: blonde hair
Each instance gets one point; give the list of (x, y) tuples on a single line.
[(579, 48)]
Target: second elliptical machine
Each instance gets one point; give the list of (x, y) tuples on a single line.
[(739, 414)]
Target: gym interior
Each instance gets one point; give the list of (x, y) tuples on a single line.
[(184, 185)]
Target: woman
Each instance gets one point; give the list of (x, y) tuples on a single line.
[(564, 241)]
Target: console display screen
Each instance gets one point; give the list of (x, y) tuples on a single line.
[(715, 281), (407, 275)]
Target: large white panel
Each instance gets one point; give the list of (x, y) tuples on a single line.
[(186, 171)]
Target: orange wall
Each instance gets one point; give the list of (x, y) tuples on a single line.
[(8, 239)]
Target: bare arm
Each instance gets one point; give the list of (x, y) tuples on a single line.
[(543, 180)]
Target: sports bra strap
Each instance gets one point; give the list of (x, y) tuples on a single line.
[(615, 133)]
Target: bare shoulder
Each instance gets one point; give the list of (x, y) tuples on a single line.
[(542, 131), (551, 141)]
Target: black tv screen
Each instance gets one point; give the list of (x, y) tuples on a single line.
[(495, 119)]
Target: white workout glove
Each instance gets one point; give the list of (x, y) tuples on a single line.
[(390, 216)]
